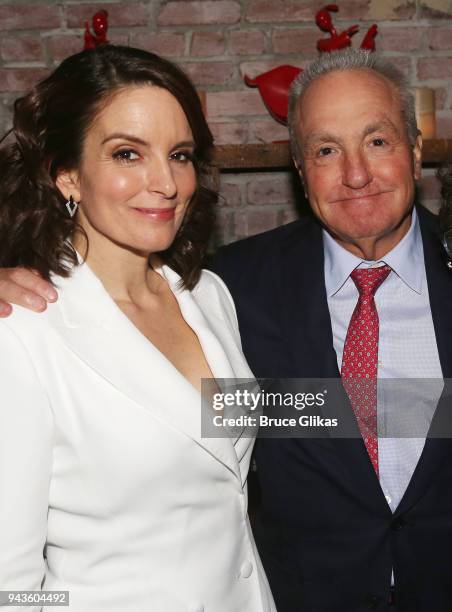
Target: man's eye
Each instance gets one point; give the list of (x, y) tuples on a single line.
[(324, 151), (378, 142), (126, 155), (182, 156)]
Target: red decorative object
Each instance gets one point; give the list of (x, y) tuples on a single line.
[(100, 28), (369, 39), (325, 23), (274, 88), (274, 85)]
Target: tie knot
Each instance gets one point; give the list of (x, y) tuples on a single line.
[(367, 280)]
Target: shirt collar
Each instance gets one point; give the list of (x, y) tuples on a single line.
[(406, 259)]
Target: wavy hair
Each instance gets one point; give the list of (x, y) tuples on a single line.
[(49, 127)]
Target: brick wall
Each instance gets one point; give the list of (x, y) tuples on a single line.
[(217, 42)]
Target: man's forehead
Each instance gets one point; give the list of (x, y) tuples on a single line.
[(335, 100)]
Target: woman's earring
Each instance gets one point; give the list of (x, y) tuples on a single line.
[(71, 206)]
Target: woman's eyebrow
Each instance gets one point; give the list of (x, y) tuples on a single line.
[(124, 136)]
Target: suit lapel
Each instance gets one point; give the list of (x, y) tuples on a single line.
[(308, 334), (439, 279), (306, 319), (103, 337)]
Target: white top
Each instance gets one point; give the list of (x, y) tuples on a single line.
[(102, 465), (407, 349)]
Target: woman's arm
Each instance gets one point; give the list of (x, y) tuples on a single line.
[(26, 433), (24, 288)]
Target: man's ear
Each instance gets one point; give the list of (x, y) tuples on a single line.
[(298, 165), (68, 183), (417, 157)]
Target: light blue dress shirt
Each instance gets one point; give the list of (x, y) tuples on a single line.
[(407, 350)]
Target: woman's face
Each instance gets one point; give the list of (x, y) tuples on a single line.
[(136, 176)]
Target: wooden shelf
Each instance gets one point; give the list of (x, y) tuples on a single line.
[(276, 156)]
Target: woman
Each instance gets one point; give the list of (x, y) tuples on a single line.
[(108, 489)]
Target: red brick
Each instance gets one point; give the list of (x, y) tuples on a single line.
[(207, 44), (434, 9), (289, 215), (296, 41), (393, 10), (403, 64), (267, 131), (440, 98), (134, 14), (440, 38), (209, 73), (20, 79), (400, 39), (429, 188), (274, 190), (234, 103), (434, 68), (21, 48), (246, 42), (444, 126), (255, 222), (230, 195), (168, 44), (29, 16), (200, 12), (301, 10), (281, 10), (60, 47), (229, 133)]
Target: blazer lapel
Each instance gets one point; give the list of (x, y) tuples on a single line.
[(103, 337)]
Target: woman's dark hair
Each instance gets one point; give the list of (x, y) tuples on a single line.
[(445, 213), (49, 127)]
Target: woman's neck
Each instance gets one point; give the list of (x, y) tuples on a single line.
[(125, 274)]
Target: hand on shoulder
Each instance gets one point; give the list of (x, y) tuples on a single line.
[(25, 288)]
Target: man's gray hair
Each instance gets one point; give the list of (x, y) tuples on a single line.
[(350, 59)]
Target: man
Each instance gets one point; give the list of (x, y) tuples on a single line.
[(348, 525)]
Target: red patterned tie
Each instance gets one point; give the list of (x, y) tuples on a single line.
[(360, 356)]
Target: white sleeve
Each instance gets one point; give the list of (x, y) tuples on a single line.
[(26, 429)]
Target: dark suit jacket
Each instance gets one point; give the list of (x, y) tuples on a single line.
[(327, 537)]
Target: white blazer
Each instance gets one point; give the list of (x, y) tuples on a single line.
[(107, 488)]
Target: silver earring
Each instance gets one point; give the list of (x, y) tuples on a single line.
[(71, 206)]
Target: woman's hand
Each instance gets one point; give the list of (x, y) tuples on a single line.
[(25, 288)]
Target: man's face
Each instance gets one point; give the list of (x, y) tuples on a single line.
[(356, 162)]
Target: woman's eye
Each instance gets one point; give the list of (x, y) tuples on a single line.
[(182, 156), (126, 155)]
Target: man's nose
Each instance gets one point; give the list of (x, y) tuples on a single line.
[(356, 172), (160, 178)]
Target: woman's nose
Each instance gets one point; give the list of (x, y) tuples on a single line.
[(161, 178)]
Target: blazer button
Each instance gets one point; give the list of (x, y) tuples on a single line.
[(197, 607), (246, 570)]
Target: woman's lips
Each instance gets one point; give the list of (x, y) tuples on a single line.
[(157, 214)]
